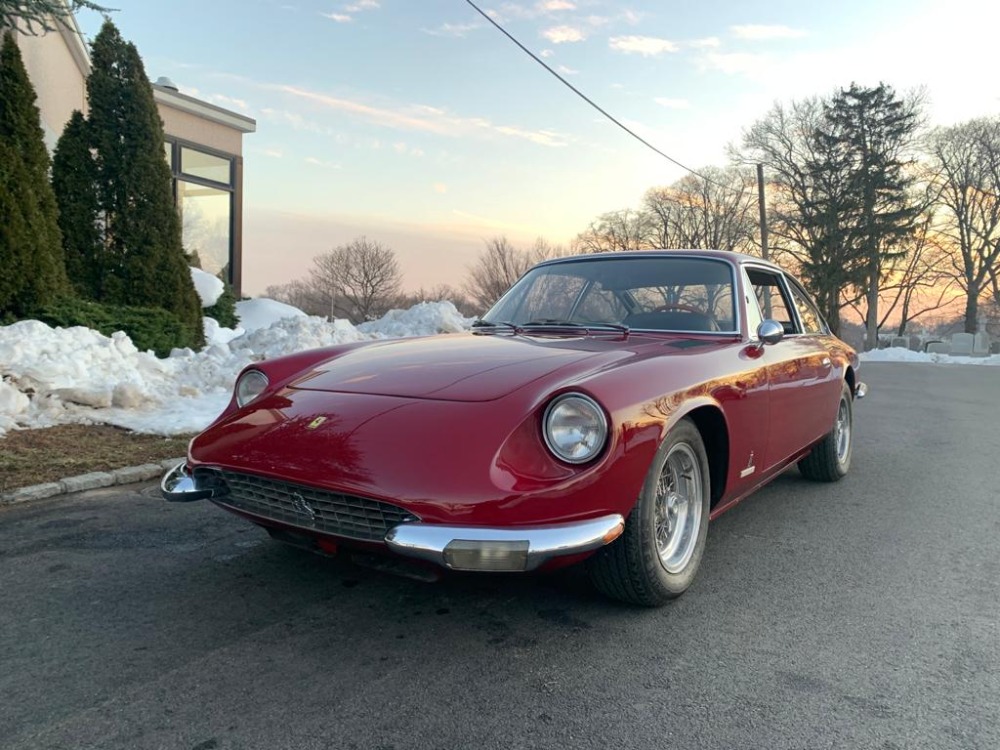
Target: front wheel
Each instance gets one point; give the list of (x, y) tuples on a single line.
[(657, 555), (830, 458)]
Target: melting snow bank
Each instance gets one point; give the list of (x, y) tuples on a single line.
[(52, 376), (898, 354)]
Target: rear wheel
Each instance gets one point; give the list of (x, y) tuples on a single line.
[(656, 557), (830, 459)]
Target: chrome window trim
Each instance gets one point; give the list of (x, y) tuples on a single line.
[(646, 255), (783, 284)]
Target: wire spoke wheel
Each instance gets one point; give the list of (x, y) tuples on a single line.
[(657, 556), (842, 431), (677, 513)]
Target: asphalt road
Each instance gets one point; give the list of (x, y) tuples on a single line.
[(864, 614)]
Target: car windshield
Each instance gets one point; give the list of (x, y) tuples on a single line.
[(646, 293)]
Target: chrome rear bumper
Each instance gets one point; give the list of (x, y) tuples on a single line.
[(502, 549)]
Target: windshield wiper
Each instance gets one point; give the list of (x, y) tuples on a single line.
[(499, 324), (555, 323)]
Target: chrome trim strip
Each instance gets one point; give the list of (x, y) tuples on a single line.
[(428, 541), (179, 486)]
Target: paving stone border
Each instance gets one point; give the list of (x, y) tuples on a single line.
[(91, 481)]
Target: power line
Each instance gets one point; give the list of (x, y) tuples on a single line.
[(593, 104)]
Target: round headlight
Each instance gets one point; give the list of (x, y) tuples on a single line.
[(575, 428), (250, 385)]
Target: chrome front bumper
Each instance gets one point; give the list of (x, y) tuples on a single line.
[(502, 549), (518, 548), (178, 486)]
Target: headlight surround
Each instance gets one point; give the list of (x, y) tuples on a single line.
[(575, 428), (249, 386)]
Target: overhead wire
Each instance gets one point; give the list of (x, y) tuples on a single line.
[(594, 104)]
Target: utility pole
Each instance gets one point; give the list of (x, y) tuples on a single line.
[(763, 211)]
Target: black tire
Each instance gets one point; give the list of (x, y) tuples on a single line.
[(830, 458), (637, 567)]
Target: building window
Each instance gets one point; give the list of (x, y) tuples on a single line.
[(204, 192)]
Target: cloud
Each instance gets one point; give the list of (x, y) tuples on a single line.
[(541, 137), (360, 5), (417, 118), (402, 148), (673, 103), (564, 34), (228, 102), (567, 71), (707, 42), (546, 53), (452, 29), (742, 63), (320, 163), (273, 153), (648, 46), (759, 32), (338, 17), (554, 5)]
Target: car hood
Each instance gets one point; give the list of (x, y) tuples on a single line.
[(471, 367)]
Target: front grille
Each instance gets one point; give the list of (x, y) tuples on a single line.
[(311, 508)]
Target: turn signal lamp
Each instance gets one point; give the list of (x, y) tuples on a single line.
[(496, 556)]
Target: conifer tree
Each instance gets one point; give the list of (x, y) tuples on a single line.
[(74, 181), (31, 243), (142, 251)]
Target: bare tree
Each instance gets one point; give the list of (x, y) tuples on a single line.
[(360, 280), (841, 171), (785, 142), (440, 293), (716, 208), (301, 295), (965, 173), (916, 281), (498, 267), (618, 230)]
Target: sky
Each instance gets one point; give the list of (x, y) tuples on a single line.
[(419, 125)]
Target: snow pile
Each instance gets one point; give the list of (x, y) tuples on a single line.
[(57, 375), (209, 287), (899, 354)]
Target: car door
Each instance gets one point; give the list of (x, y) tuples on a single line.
[(798, 371)]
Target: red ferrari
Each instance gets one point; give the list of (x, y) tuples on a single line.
[(606, 408)]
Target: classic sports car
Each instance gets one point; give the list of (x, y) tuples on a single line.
[(607, 407)]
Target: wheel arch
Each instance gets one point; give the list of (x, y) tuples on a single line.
[(851, 378), (711, 425)]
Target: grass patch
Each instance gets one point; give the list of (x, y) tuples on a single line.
[(52, 453)]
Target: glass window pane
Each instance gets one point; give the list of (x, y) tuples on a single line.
[(812, 321), (206, 166), (206, 220), (771, 296)]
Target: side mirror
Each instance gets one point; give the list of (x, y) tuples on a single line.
[(770, 332)]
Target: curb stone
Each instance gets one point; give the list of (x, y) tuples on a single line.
[(92, 481)]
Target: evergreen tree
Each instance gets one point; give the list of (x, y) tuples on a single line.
[(143, 256), (41, 15), (32, 243), (74, 178), (866, 136)]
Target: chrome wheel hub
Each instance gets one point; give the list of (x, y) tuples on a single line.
[(678, 508), (843, 432)]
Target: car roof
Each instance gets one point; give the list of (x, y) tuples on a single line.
[(727, 255)]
